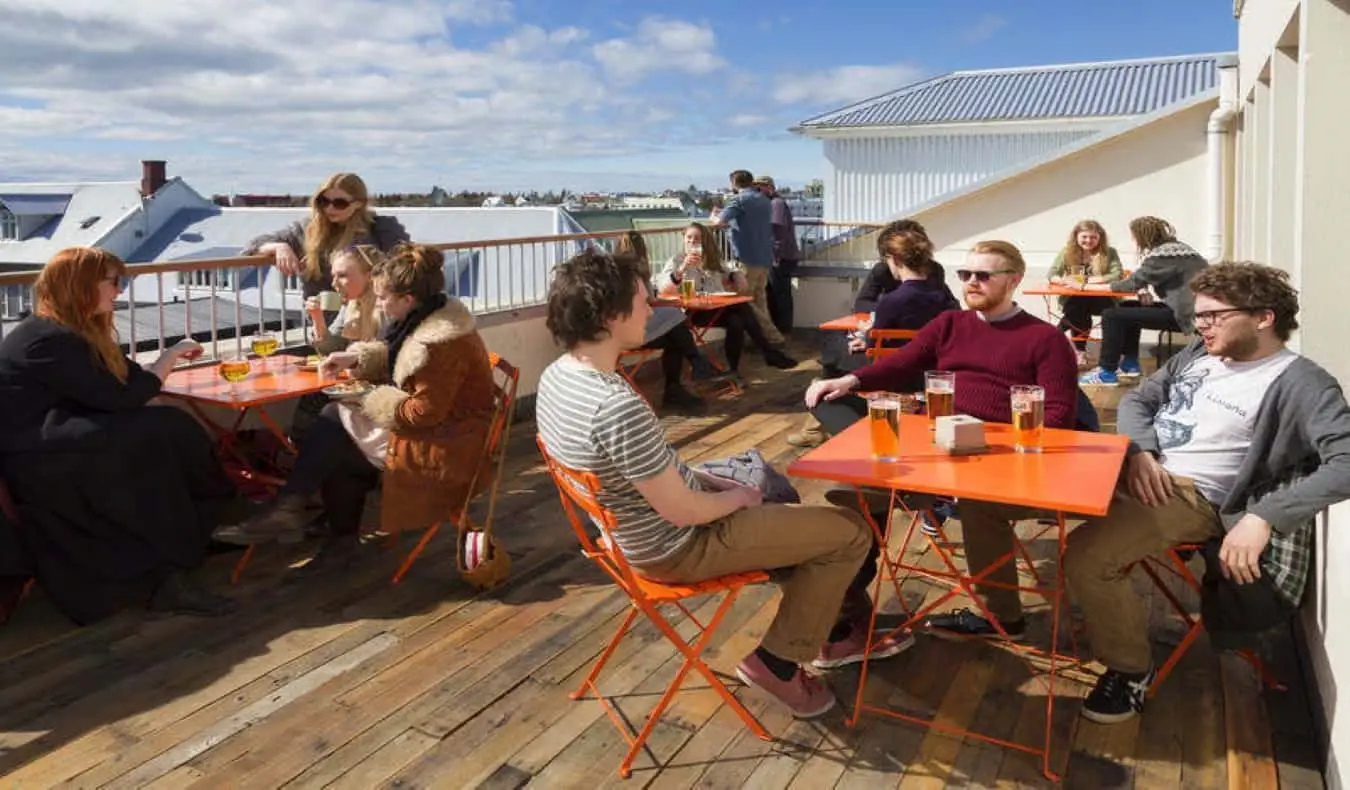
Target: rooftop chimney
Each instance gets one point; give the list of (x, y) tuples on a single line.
[(152, 176)]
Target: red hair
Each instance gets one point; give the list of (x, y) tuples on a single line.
[(67, 292)]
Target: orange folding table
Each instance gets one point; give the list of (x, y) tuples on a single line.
[(1075, 473), (844, 323)]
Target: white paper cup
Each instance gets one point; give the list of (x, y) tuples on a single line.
[(330, 301)]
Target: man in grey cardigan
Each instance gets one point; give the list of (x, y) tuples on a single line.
[(1237, 441)]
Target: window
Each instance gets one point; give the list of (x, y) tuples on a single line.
[(9, 225)]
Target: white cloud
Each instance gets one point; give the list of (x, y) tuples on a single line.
[(844, 84), (746, 120), (984, 28), (660, 44)]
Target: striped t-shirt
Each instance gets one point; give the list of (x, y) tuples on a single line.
[(594, 422)]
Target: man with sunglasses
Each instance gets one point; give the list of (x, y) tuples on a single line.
[(990, 347), (1237, 443)]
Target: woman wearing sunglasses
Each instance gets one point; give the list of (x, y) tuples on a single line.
[(340, 217)]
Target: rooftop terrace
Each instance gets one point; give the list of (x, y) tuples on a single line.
[(345, 681)]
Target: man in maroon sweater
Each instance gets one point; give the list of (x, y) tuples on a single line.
[(990, 347)]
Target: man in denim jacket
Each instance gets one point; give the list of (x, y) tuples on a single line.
[(1237, 440)]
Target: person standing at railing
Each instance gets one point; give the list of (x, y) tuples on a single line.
[(785, 256), (702, 261), (748, 218), (340, 216), (418, 434), (668, 331), (117, 496), (1087, 259)]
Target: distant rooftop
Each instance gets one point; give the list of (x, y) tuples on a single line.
[(1108, 89)]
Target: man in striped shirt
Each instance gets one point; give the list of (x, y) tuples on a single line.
[(676, 524)]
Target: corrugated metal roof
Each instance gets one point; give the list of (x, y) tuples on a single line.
[(1083, 90)]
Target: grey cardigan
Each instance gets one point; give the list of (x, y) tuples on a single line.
[(1298, 463), (385, 233), (1169, 268)]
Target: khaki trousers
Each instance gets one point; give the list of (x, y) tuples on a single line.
[(815, 552), (1096, 558), (758, 281)]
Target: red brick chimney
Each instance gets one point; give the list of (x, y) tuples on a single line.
[(152, 176)]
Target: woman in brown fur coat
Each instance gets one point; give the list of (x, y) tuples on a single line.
[(419, 434)]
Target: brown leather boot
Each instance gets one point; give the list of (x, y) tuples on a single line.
[(811, 434)]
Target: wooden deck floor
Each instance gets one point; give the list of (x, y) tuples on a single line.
[(348, 682)]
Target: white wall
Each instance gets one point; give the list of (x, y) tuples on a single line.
[(878, 178), (1292, 207), (1156, 169)]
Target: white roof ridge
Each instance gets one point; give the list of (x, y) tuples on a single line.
[(1082, 65)]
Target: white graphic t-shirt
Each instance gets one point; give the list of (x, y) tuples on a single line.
[(1205, 428)]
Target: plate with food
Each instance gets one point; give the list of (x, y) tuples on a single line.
[(310, 362), (723, 293), (348, 389)]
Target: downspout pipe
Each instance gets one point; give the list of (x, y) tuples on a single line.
[(1216, 137)]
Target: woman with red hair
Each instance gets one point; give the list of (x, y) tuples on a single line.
[(117, 497)]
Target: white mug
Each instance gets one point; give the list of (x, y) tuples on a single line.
[(330, 301)]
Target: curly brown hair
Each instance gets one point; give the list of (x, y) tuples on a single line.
[(589, 290), (1254, 287), (415, 270), (1150, 232)]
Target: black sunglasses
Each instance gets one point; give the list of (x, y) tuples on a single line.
[(1206, 318), (338, 203), (964, 275)]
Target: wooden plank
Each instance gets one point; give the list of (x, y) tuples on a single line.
[(933, 765), (1251, 762), (385, 761), (1203, 766)]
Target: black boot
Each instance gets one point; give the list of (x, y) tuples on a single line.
[(679, 399), (179, 594)]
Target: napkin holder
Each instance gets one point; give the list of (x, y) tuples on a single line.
[(960, 434)]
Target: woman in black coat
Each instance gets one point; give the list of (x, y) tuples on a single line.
[(117, 498)]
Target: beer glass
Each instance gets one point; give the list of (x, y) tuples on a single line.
[(883, 420), (1028, 413), (939, 391), (688, 287), (234, 368)]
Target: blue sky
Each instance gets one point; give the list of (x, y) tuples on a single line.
[(261, 95)]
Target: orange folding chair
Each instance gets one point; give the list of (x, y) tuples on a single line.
[(579, 492), (505, 378), (1175, 565)]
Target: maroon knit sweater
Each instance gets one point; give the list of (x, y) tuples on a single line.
[(988, 358)]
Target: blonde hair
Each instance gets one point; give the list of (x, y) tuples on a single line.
[(67, 292), (323, 237), (632, 245), (1100, 263), (1005, 250), (362, 321)]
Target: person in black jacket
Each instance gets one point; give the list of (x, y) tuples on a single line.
[(836, 357), (340, 217), (116, 498)]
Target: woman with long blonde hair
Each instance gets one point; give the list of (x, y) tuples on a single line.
[(339, 217), (1087, 259), (360, 318), (118, 496)]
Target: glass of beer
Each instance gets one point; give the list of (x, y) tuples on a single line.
[(883, 420), (688, 286), (265, 345), (939, 391), (1028, 413), (234, 368)]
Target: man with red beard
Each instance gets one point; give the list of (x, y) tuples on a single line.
[(990, 347)]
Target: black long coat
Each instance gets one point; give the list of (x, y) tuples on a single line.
[(113, 494)]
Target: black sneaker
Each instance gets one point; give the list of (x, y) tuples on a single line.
[(964, 623), (682, 400), (704, 370), (1117, 697), (776, 358)]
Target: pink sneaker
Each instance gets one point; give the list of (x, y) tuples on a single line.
[(852, 649), (804, 695)]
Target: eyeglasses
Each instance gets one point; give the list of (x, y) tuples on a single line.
[(964, 275), (323, 201), (1211, 317)]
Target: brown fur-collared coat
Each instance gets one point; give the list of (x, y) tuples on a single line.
[(438, 410)]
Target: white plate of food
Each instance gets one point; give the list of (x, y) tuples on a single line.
[(348, 389), (310, 362), (722, 293)]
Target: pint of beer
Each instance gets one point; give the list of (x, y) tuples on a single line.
[(1028, 413), (883, 422), (939, 391), (687, 286)]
